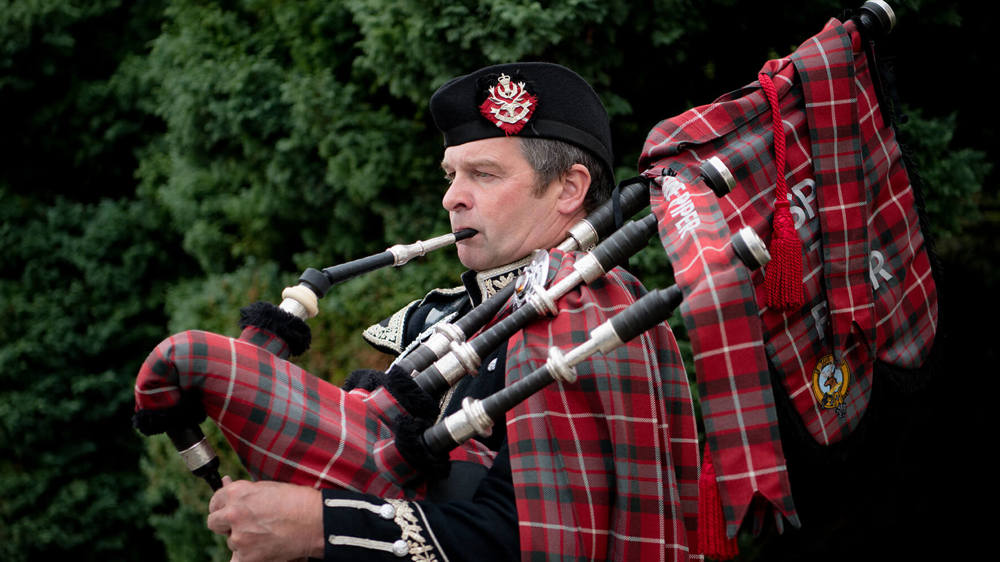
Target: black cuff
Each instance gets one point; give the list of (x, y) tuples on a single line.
[(285, 325)]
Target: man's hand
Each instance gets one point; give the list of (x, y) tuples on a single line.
[(268, 521)]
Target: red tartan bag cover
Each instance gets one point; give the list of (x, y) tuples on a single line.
[(868, 292), (284, 423)]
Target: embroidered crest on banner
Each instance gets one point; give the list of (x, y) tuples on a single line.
[(829, 384), (509, 106)]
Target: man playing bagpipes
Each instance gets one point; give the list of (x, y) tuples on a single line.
[(603, 468), (789, 361)]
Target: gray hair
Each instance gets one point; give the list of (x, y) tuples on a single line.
[(552, 158)]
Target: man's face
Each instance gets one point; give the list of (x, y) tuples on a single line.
[(492, 191)]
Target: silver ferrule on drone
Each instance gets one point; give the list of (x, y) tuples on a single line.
[(198, 455), (585, 269), (588, 267), (461, 360), (560, 366), (300, 301), (442, 337), (469, 421), (294, 308), (582, 236), (749, 247), (603, 338), (715, 167), (544, 301)]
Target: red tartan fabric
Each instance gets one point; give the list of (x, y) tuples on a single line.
[(867, 281), (604, 468), (284, 423)]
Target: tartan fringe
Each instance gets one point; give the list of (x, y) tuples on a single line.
[(712, 539)]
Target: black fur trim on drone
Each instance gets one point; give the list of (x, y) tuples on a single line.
[(409, 433), (285, 325), (365, 379), (404, 389), (410, 396)]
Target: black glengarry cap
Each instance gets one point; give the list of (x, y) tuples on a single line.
[(525, 99)]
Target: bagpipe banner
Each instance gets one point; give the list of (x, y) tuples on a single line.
[(850, 286)]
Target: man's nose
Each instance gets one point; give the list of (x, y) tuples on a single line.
[(458, 196)]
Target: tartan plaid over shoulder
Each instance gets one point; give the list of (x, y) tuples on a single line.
[(605, 468), (869, 293)]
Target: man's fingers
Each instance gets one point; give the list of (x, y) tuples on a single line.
[(218, 500), (219, 524)]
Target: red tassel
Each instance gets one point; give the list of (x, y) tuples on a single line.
[(712, 540), (783, 275)]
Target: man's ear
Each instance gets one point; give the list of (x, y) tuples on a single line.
[(575, 183)]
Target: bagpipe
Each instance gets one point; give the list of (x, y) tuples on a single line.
[(287, 425), (194, 373), (805, 157)]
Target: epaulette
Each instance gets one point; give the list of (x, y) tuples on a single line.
[(395, 334), (398, 333)]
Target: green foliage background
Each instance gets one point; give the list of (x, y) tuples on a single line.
[(166, 162)]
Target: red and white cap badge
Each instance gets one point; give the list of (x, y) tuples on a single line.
[(509, 106)]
